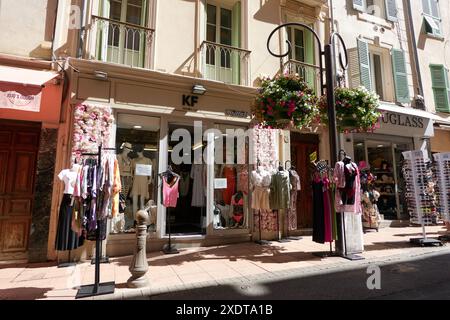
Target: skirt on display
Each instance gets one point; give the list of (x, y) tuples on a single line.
[(66, 238)]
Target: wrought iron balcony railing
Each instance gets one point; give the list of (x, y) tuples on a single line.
[(309, 72), (118, 42), (225, 63)]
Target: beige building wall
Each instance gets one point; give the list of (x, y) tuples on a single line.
[(26, 27)]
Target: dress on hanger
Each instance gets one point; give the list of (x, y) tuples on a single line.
[(292, 212), (280, 189), (230, 174), (170, 193), (198, 188), (261, 180), (318, 215), (328, 236)]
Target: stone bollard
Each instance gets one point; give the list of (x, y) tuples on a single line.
[(139, 264)]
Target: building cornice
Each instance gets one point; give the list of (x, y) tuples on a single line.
[(24, 62)]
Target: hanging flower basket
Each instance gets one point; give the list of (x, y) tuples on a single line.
[(285, 102), (356, 110)]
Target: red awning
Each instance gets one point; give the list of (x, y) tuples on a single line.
[(21, 89)]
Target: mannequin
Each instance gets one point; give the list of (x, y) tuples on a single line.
[(66, 237), (261, 180), (139, 190)]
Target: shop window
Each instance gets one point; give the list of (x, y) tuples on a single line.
[(231, 182), (137, 142)]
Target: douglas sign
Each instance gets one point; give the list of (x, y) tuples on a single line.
[(403, 120)]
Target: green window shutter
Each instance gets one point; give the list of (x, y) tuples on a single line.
[(400, 76), (353, 68), (439, 76), (358, 5), (236, 42), (426, 7), (391, 10), (364, 64), (309, 58)]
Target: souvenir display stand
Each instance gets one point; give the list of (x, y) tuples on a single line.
[(442, 178)]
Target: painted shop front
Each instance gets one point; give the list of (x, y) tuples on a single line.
[(30, 107), (188, 126), (401, 129)]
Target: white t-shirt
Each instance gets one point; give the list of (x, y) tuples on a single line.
[(69, 178)]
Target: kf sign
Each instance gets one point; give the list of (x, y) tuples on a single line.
[(189, 101)]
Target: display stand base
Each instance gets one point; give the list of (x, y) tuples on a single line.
[(326, 254), (352, 257), (445, 238), (170, 250), (262, 242), (294, 238), (283, 240), (426, 242), (102, 260), (102, 289)]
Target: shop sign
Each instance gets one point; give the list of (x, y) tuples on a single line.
[(143, 170), (403, 120), (237, 114), (220, 184), (189, 100), (18, 101)]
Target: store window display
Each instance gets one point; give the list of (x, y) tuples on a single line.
[(231, 192), (137, 141)]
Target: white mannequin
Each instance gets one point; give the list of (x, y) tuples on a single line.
[(140, 183)]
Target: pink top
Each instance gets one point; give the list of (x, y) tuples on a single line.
[(170, 193)]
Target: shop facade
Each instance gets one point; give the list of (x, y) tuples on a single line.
[(400, 130), (30, 108)]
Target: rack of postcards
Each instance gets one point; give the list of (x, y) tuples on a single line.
[(442, 178), (420, 194)]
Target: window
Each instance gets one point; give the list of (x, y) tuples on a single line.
[(385, 9), (431, 17), (377, 74), (441, 88), (126, 36), (370, 67), (302, 45), (137, 142), (222, 54)]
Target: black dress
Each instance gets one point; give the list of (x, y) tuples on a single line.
[(66, 239), (318, 215)]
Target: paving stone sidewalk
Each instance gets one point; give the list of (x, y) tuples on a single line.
[(209, 266)]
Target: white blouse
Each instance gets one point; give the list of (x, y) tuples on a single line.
[(69, 178), (261, 178)]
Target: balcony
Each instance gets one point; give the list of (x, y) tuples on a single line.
[(310, 73), (118, 42), (225, 63)]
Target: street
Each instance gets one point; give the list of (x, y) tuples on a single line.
[(424, 278)]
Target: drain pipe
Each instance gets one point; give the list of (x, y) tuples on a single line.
[(414, 44)]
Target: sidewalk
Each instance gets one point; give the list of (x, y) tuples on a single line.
[(198, 267)]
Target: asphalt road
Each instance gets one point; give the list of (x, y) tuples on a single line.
[(425, 278)]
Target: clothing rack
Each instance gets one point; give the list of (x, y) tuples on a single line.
[(97, 288)]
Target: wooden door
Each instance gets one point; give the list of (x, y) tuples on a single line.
[(19, 144), (300, 155)]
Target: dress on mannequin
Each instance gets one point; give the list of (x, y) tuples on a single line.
[(229, 173), (261, 180), (66, 238), (139, 190)]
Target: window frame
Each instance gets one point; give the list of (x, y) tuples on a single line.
[(387, 72), (383, 9), (437, 19)]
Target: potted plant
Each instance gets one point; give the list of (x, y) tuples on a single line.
[(285, 101), (356, 110)]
